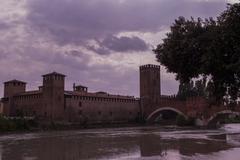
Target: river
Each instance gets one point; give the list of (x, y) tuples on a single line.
[(144, 143)]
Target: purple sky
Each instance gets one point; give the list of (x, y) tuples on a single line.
[(97, 43)]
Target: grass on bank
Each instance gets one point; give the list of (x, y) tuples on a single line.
[(16, 124)]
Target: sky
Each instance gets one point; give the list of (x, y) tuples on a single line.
[(96, 43)]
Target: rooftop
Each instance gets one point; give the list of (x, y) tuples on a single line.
[(54, 73), (29, 93), (81, 86), (14, 81), (106, 95)]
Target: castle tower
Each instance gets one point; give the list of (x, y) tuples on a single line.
[(11, 88), (150, 87), (53, 96), (150, 81)]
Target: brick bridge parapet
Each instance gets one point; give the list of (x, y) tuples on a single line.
[(195, 107)]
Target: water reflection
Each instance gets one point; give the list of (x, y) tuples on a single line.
[(123, 143)]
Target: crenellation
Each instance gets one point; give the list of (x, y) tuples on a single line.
[(151, 66), (53, 103)]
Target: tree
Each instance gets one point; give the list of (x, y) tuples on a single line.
[(186, 90), (191, 89), (205, 48)]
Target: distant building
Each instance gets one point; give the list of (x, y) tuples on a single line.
[(52, 102)]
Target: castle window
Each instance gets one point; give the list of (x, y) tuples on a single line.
[(99, 112), (111, 113), (130, 113)]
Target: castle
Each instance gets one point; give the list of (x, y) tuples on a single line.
[(51, 102)]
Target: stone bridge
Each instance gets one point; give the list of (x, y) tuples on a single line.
[(153, 103), (195, 107)]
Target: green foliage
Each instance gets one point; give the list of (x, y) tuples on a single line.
[(206, 48), (232, 120), (185, 90), (16, 124), (189, 89)]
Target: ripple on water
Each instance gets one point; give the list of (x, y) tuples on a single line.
[(144, 143)]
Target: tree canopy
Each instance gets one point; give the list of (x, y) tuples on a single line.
[(196, 48)]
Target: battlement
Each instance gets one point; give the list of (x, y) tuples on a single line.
[(147, 66), (168, 97)]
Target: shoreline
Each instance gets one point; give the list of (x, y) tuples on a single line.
[(97, 126)]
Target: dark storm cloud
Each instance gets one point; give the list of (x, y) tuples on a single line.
[(124, 44), (99, 50), (119, 44), (70, 21)]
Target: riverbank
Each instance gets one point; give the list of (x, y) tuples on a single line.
[(76, 127), (23, 125)]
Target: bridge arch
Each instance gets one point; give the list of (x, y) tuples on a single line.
[(165, 109), (224, 112)]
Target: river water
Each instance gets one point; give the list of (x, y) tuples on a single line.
[(144, 143)]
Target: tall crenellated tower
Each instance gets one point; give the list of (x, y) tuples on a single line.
[(11, 88), (53, 96), (150, 86), (150, 81)]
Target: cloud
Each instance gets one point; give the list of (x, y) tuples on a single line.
[(74, 22), (124, 44), (3, 26), (101, 50)]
